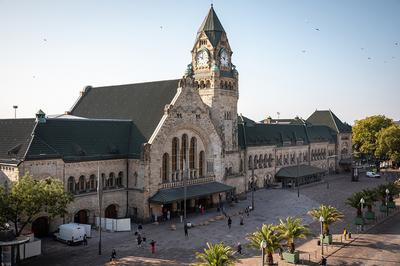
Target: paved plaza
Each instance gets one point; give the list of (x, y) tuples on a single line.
[(173, 249)]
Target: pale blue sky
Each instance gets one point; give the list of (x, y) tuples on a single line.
[(50, 50)]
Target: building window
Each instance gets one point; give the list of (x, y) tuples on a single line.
[(110, 180), (250, 164), (192, 153), (175, 149), (71, 184), (118, 181), (165, 168), (135, 179), (255, 161), (81, 183), (201, 163), (92, 182), (184, 150)]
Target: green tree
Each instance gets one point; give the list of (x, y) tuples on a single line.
[(370, 196), (388, 143), (215, 255), (28, 197), (365, 133), (271, 235), (291, 229), (354, 201), (330, 214)]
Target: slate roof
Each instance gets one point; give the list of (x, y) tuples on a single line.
[(299, 171), (251, 133), (15, 136), (143, 103), (82, 140), (68, 139), (194, 191), (212, 27), (328, 118)]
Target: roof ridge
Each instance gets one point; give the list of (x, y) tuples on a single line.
[(334, 121), (127, 84)]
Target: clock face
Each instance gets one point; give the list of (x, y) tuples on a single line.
[(224, 59), (202, 58)]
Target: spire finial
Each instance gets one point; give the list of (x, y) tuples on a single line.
[(212, 4)]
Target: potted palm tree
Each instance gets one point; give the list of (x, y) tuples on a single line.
[(330, 215), (215, 255), (370, 196), (354, 201), (272, 237), (292, 229)]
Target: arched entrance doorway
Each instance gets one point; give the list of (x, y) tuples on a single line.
[(81, 217), (111, 212), (40, 227)]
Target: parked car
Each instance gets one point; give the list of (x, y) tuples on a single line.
[(373, 174)]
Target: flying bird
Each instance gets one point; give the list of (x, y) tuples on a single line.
[(316, 29), (303, 51), (161, 27), (396, 43), (45, 40), (369, 58)]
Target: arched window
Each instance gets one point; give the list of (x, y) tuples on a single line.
[(81, 183), (92, 182), (222, 85), (265, 160), (208, 84), (110, 180), (201, 163), (192, 153), (255, 161), (260, 161), (71, 184), (103, 180), (165, 167), (270, 160), (135, 179), (184, 150), (175, 149), (250, 164), (241, 166), (118, 181)]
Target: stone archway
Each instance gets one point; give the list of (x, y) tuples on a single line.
[(81, 217), (40, 227), (111, 212)]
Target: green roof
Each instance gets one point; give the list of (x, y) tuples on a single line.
[(212, 27), (328, 118), (299, 171), (143, 103), (194, 191)]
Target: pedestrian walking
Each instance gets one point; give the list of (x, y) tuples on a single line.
[(140, 227), (241, 219), (185, 228), (113, 255), (247, 211), (153, 246), (85, 240), (229, 222), (345, 234), (143, 237), (139, 240), (168, 215), (239, 248), (203, 210)]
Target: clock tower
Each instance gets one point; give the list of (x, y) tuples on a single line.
[(217, 78)]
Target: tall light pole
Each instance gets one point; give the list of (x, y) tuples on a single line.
[(252, 188), (322, 220), (297, 179), (15, 111), (362, 201), (387, 201), (263, 245), (185, 174), (100, 198)]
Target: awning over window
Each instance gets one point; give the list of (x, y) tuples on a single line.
[(195, 191), (299, 171)]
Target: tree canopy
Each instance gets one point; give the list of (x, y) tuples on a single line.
[(365, 133), (28, 197), (388, 143)]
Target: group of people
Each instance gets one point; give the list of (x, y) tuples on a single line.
[(246, 211)]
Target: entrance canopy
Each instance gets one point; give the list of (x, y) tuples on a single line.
[(195, 191), (299, 171)]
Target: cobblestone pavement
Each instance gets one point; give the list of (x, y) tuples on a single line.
[(174, 249)]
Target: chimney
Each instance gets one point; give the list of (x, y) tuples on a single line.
[(40, 117)]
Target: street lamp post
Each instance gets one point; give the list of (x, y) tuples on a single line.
[(387, 201), (297, 178), (322, 220), (263, 245), (362, 201), (252, 188), (100, 198)]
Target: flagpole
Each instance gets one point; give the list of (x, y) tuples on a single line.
[(100, 198)]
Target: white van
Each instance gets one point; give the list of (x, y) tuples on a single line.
[(70, 233)]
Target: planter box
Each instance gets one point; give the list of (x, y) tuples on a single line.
[(359, 221), (369, 215), (326, 240), (291, 257)]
